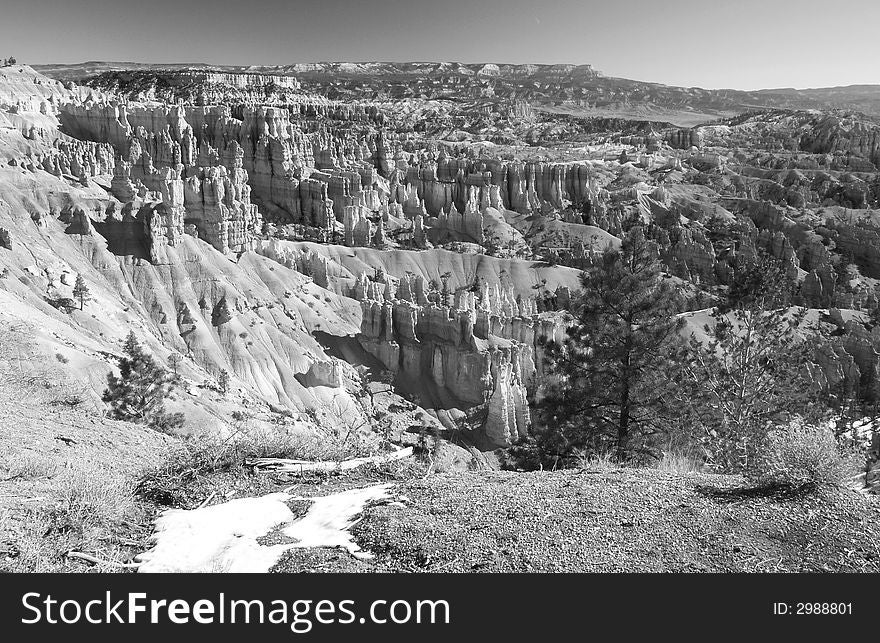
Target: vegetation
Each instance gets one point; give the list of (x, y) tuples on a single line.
[(204, 456), (742, 396), (752, 373), (91, 512), (223, 382), (139, 392), (801, 456), (611, 370), (81, 291)]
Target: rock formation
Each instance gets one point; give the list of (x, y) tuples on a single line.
[(481, 347)]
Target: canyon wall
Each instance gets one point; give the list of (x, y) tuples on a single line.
[(483, 348)]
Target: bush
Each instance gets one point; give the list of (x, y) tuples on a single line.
[(801, 456), (544, 450), (524, 454), (167, 423)]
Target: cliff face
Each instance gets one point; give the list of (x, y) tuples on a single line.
[(23, 89), (148, 204), (482, 349), (848, 134), (296, 177), (435, 185)]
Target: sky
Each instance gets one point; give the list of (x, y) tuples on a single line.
[(737, 44)]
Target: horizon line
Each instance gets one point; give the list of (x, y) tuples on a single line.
[(437, 62)]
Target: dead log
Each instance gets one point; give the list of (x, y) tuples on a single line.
[(284, 465), (99, 561)]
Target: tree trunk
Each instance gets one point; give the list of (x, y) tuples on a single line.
[(623, 425), (623, 418)]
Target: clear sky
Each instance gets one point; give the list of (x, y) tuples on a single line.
[(740, 44)]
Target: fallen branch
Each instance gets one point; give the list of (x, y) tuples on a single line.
[(304, 466), (207, 500), (98, 561)]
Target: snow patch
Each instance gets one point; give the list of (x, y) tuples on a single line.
[(223, 538)]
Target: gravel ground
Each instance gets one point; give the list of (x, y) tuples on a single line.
[(607, 520)]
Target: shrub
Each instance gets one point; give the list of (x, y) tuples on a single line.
[(801, 456), (168, 423), (525, 454), (240, 416), (72, 400)]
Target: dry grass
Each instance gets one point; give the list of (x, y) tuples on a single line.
[(92, 512), (66, 472), (29, 467), (598, 462), (680, 462)]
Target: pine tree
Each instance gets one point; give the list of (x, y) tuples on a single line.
[(752, 369), (763, 283), (81, 291), (610, 388), (223, 381), (174, 361), (753, 372), (138, 394)]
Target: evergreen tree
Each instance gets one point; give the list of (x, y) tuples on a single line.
[(610, 385), (81, 291), (223, 381), (138, 394), (753, 370), (763, 284), (174, 361)]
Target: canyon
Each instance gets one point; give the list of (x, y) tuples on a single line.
[(310, 229)]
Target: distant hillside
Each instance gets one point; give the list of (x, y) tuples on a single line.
[(578, 89)]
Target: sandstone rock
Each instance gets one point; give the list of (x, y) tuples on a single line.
[(482, 353), (324, 373)]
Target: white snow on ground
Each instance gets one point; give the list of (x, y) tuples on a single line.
[(328, 519), (223, 538)]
